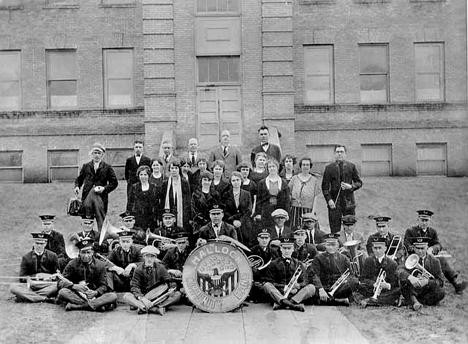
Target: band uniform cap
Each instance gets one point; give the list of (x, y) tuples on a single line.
[(85, 243), (216, 208), (125, 233), (168, 212), (181, 236), (378, 240), (280, 213), (309, 217), (89, 217), (331, 237), (126, 215), (382, 220), (420, 241), (300, 231), (349, 219), (425, 213), (206, 174), (264, 232), (286, 240), (47, 217), (40, 236), (98, 146), (150, 250)]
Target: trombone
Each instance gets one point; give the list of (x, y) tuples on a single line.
[(412, 262), (394, 246), (339, 282), (292, 282)]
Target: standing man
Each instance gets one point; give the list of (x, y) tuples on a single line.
[(55, 242), (340, 180), (133, 162), (227, 153), (98, 180), (39, 263), (423, 229), (265, 146), (168, 156), (193, 155)]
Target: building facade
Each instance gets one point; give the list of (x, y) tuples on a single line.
[(386, 78)]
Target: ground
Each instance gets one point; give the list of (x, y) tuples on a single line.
[(398, 198)]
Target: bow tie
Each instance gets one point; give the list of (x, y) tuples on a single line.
[(138, 155), (264, 144), (288, 261)]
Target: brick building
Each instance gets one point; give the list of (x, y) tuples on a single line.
[(387, 78)]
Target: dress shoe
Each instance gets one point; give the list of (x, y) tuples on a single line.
[(298, 307), (51, 300), (342, 302), (141, 311), (363, 304), (133, 308), (160, 310), (73, 307), (460, 286), (277, 306), (417, 306)]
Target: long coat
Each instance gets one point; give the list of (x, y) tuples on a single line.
[(232, 158), (30, 265), (264, 208), (273, 151), (145, 205), (241, 213), (104, 176)]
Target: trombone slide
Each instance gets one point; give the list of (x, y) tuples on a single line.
[(292, 281)]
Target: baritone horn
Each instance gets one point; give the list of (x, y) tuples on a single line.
[(352, 246), (394, 246), (412, 262)]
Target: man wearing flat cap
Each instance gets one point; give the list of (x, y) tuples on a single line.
[(216, 227), (84, 283), (38, 264), (424, 229), (98, 180), (279, 229), (421, 284), (151, 288)]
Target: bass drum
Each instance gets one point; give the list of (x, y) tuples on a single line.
[(217, 277)]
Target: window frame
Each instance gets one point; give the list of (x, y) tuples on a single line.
[(51, 167), (217, 14), (442, 88), (48, 79), (9, 168), (331, 74), (387, 74), (217, 83), (389, 147), (106, 78), (442, 145), (119, 169), (19, 80)]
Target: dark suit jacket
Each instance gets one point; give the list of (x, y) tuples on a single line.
[(131, 168), (242, 213), (30, 265), (273, 151), (416, 231), (279, 273), (331, 183), (96, 277), (174, 259), (371, 270), (186, 155), (116, 256), (327, 268), (142, 282), (287, 232), (104, 176), (207, 232), (56, 244), (232, 159)]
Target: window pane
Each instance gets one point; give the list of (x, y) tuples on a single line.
[(318, 73), (317, 61), (233, 5), (9, 95), (65, 158), (11, 2), (213, 70), (373, 59), (10, 65), (120, 92), (119, 64), (10, 159), (211, 5), (11, 175), (428, 87), (234, 69), (202, 70), (113, 2), (201, 6), (318, 88), (373, 88), (61, 2), (62, 94), (61, 65), (119, 77), (63, 173), (224, 70), (222, 6), (427, 59)]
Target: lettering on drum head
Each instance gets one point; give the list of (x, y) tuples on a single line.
[(217, 277)]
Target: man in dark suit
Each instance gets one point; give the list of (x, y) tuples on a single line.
[(98, 180), (216, 227), (133, 162), (55, 240), (280, 216), (193, 154), (340, 180), (265, 146), (227, 153), (168, 156), (38, 263), (314, 234)]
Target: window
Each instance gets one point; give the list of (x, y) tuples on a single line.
[(61, 79), (63, 165), (218, 69), (376, 160), (218, 6), (118, 71), (321, 156), (117, 158), (10, 80), (117, 2), (11, 166), (429, 69), (318, 69), (431, 159), (374, 75)]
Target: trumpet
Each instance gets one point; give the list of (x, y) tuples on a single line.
[(394, 246), (352, 246), (339, 282), (378, 284), (157, 239), (412, 262), (292, 282)]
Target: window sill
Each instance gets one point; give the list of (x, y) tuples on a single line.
[(318, 2), (132, 5), (11, 8), (61, 6)]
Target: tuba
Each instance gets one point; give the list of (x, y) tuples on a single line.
[(352, 246), (394, 246), (412, 262)]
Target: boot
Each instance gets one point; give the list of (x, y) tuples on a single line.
[(73, 307), (459, 286)]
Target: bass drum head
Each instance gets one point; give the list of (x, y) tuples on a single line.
[(217, 277)]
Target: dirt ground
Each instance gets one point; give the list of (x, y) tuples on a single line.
[(399, 198)]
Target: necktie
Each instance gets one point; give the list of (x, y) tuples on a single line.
[(148, 269), (264, 144), (216, 229), (138, 155), (166, 159), (225, 150), (340, 166), (193, 159)]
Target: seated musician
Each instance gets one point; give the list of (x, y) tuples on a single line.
[(382, 224), (331, 274), (423, 229), (40, 264), (425, 285), (379, 282), (175, 257), (55, 241), (167, 230), (151, 287), (216, 227), (139, 235), (124, 259), (84, 282), (280, 216), (302, 250), (283, 285), (313, 232), (263, 251), (87, 224), (348, 233)]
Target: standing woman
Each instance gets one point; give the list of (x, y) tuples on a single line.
[(238, 209), (202, 164), (273, 193), (201, 202), (219, 184), (185, 166), (176, 195), (305, 188), (288, 170), (157, 177), (259, 171), (143, 200)]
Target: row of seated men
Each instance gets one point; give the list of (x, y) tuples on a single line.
[(294, 271)]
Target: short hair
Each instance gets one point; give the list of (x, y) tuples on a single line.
[(175, 162), (338, 146), (185, 161), (244, 164), (304, 159), (272, 160), (143, 168), (236, 174), (288, 156), (159, 160), (220, 163), (139, 141), (259, 154), (264, 127)]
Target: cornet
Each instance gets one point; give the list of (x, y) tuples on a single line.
[(378, 284), (412, 262)]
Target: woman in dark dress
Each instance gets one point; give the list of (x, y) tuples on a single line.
[(157, 177), (202, 164), (259, 171), (201, 201), (219, 183)]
